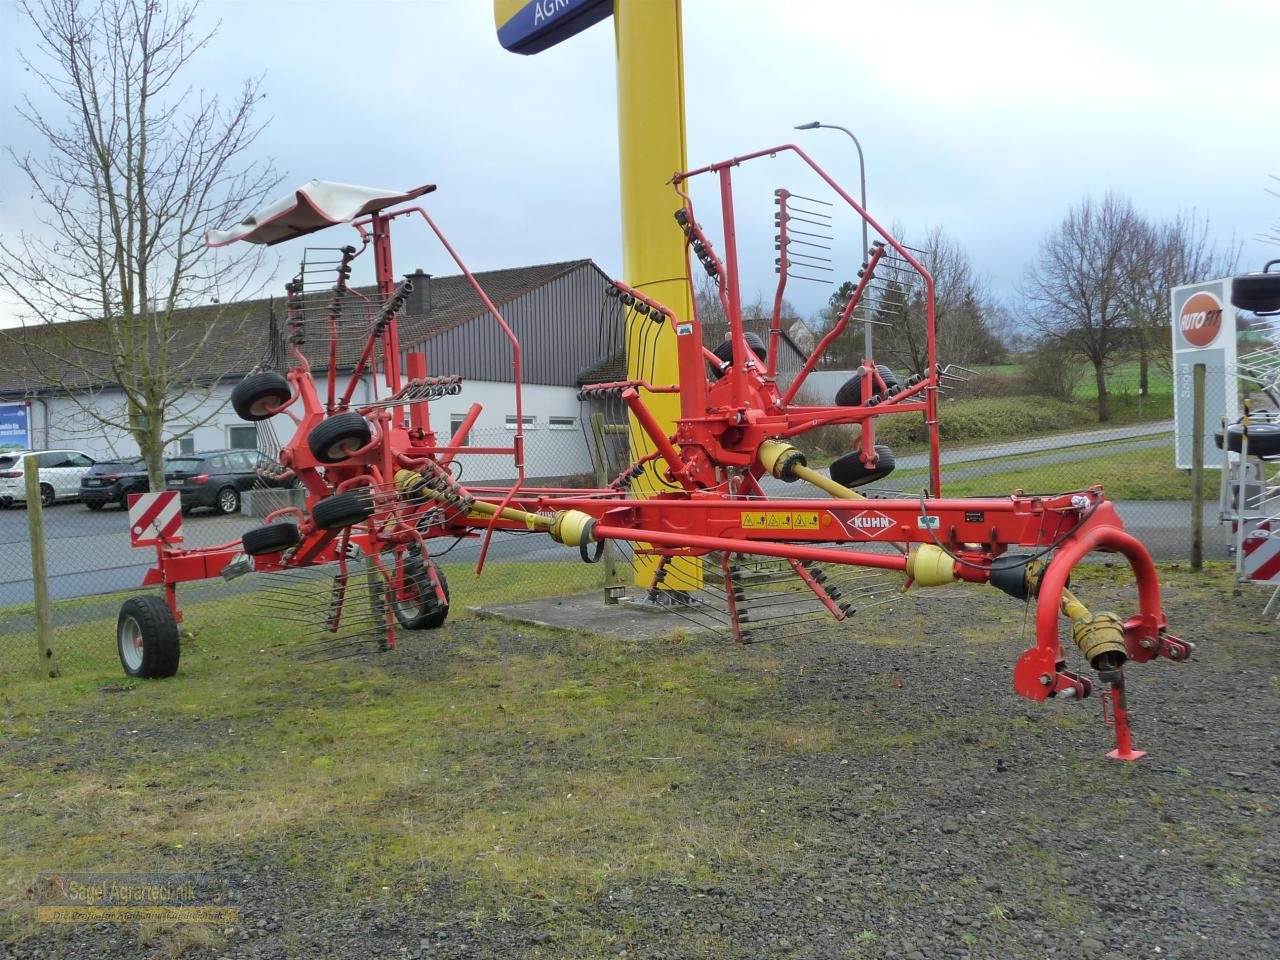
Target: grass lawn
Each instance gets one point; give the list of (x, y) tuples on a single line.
[(1145, 474), (498, 779), (86, 626), (359, 775)]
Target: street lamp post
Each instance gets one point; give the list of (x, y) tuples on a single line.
[(862, 175)]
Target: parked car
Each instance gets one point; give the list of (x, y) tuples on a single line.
[(217, 478), (60, 472), (111, 481)]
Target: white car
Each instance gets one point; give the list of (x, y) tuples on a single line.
[(60, 473)]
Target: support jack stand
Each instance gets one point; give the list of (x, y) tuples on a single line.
[(1115, 715)]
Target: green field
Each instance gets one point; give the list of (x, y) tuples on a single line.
[(1145, 474)]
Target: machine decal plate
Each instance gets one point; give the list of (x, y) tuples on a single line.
[(779, 520)]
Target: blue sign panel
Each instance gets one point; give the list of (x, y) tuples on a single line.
[(15, 432), (534, 25)]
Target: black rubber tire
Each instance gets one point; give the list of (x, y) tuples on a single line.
[(95, 504), (160, 651), (254, 397), (1258, 292), (850, 395), (227, 501), (343, 510), (850, 471), (425, 613), (334, 439), (725, 351), (1264, 439), (47, 495), (272, 538)]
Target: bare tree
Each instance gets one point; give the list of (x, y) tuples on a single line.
[(135, 166), (1156, 258), (1075, 287), (963, 317)]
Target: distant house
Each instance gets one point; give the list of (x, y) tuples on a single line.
[(554, 309)]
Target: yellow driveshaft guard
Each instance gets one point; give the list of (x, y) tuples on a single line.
[(930, 566)]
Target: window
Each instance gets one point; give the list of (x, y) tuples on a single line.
[(187, 446), (50, 461), (455, 424), (237, 462), (78, 460), (562, 423), (527, 421), (242, 437)]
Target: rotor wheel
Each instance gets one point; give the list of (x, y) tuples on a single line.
[(343, 510), (272, 538), (725, 351), (1257, 292), (415, 603), (850, 395), (336, 438), (850, 471), (259, 395), (1264, 438)]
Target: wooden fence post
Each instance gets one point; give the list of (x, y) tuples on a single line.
[(1197, 467), (48, 661), (611, 580)]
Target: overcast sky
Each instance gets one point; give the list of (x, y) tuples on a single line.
[(989, 119)]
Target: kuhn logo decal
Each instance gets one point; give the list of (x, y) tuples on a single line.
[(1201, 319), (871, 522)]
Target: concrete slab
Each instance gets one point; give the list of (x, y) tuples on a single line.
[(587, 613)]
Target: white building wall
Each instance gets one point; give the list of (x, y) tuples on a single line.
[(549, 451)]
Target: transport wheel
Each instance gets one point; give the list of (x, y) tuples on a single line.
[(850, 395), (416, 606), (228, 500), (147, 638), (725, 350), (1264, 438), (1259, 292), (850, 471), (271, 538), (257, 395), (343, 509), (47, 496), (334, 439)]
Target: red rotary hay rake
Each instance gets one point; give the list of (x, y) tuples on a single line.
[(380, 485)]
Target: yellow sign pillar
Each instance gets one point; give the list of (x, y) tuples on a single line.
[(651, 148)]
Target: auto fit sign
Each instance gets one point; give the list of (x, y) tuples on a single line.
[(1204, 331)]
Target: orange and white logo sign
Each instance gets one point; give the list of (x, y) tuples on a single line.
[(1201, 319)]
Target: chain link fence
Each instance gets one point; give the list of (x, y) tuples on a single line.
[(92, 568)]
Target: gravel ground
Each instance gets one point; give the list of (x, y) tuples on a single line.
[(956, 821)]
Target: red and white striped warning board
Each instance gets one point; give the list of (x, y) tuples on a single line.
[(1260, 552), (155, 518)]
